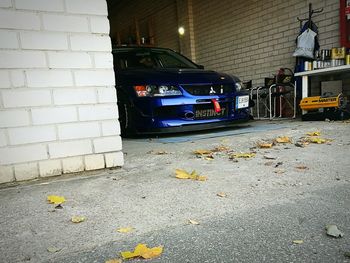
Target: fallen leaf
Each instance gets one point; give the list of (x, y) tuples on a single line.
[(141, 250), (115, 260), (317, 140), (202, 152), (279, 171), (221, 194), (53, 249), (315, 133), (125, 229), (332, 230), (301, 144), (264, 145), (283, 139), (182, 174), (221, 148), (157, 152), (242, 155), (209, 157), (54, 199), (78, 219), (193, 222), (302, 167), (298, 242), (269, 157)]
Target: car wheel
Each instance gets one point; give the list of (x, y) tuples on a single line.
[(126, 118)]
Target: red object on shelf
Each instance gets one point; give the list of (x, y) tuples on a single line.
[(345, 23)]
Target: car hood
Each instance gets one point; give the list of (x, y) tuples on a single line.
[(172, 76)]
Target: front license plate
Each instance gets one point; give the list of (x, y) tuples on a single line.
[(209, 113), (242, 102)]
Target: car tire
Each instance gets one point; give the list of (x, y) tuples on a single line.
[(127, 128)]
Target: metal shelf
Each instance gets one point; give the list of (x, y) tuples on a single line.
[(324, 71)]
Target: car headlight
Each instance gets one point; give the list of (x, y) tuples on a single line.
[(238, 86), (157, 91)]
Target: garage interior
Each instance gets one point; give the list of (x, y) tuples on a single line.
[(251, 39)]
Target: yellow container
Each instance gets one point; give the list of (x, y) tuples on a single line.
[(347, 60)]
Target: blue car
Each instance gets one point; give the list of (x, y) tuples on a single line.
[(161, 91)]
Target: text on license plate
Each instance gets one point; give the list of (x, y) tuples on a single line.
[(242, 102), (209, 113)]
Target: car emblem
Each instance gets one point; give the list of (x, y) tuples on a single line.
[(212, 91)]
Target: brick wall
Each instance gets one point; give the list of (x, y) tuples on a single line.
[(252, 39), (58, 110)]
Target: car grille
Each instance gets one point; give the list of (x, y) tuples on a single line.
[(208, 89)]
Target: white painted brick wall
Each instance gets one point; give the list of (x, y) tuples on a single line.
[(74, 96), (114, 159), (98, 112), (50, 168), (57, 95), (49, 78), (94, 162), (23, 98), (40, 5), (54, 115), (71, 148), (89, 42), (10, 19), (108, 144), (69, 60), (99, 25), (6, 174), (78, 130), (26, 171), (21, 154), (8, 39), (14, 118), (33, 134), (93, 7), (44, 40), (21, 59), (73, 165), (94, 78), (65, 23)]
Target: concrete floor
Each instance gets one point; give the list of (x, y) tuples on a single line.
[(269, 203)]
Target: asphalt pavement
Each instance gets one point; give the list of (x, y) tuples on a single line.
[(275, 205)]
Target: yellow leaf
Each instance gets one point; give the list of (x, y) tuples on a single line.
[(182, 174), (125, 230), (221, 148), (201, 178), (317, 140), (141, 250), (298, 242), (54, 199), (316, 133), (221, 194), (115, 260), (283, 139), (242, 155), (152, 252), (78, 219), (202, 152), (264, 145), (193, 222)]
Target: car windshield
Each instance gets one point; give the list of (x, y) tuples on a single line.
[(152, 59)]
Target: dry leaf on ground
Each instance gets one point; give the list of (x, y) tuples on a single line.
[(279, 171), (302, 167), (182, 174), (332, 230), (269, 157), (78, 219), (115, 260), (283, 139), (221, 148), (221, 194), (242, 155), (55, 199), (317, 140), (264, 145), (315, 133), (125, 229), (202, 152), (141, 250), (157, 152), (193, 222), (298, 242)]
